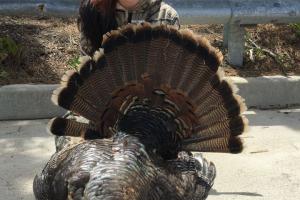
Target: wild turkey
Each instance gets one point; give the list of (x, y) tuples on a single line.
[(152, 96)]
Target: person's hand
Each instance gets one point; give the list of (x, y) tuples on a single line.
[(128, 4)]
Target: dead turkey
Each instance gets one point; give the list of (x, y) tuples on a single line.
[(151, 96)]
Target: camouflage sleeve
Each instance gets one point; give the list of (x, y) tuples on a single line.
[(165, 15)]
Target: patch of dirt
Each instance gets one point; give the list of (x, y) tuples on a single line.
[(49, 45), (270, 49)]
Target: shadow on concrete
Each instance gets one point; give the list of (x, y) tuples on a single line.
[(215, 192), (287, 118)]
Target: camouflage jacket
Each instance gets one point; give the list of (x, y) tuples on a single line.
[(153, 11)]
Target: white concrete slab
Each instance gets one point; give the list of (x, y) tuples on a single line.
[(268, 169), (27, 101), (269, 91)]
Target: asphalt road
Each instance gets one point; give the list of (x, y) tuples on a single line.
[(268, 169)]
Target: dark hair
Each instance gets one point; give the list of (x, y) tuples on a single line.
[(107, 7), (94, 21)]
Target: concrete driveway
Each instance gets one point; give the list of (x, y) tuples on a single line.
[(268, 169)]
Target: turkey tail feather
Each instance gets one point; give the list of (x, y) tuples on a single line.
[(172, 75), (68, 127)]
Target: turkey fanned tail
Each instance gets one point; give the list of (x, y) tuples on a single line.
[(151, 95), (172, 73)]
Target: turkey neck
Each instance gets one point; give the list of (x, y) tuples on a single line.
[(153, 127)]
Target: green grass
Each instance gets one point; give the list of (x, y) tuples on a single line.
[(10, 49), (3, 74), (74, 63), (296, 28)]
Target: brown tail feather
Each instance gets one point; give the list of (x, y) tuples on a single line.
[(229, 127), (67, 127), (67, 98), (224, 145), (175, 72), (126, 57)]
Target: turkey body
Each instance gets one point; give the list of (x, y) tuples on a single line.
[(121, 169), (151, 96)]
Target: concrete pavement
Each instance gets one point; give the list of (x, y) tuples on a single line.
[(268, 169), (25, 148)]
